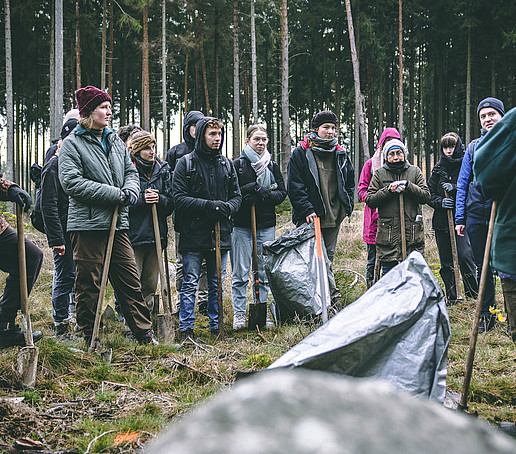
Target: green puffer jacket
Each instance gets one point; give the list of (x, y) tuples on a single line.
[(388, 238), (93, 175)]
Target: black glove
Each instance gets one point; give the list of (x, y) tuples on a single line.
[(19, 196), (264, 193), (218, 208), (127, 198), (448, 187), (448, 203)]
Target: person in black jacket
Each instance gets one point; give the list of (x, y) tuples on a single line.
[(444, 178), (321, 182), (155, 188), (54, 210), (261, 184), (205, 190), (173, 155)]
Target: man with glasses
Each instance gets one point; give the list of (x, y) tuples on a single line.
[(473, 208)]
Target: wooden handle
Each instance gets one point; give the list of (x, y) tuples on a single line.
[(218, 260), (321, 268), (455, 255), (256, 283), (402, 227), (157, 240)]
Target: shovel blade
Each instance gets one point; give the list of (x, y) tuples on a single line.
[(257, 316), (27, 366), (165, 329)]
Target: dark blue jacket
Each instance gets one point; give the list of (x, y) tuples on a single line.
[(471, 202), (303, 185)]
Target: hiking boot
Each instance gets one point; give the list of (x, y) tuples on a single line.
[(203, 307), (61, 329), (487, 323), (12, 335), (149, 338), (369, 283), (239, 322), (188, 333)]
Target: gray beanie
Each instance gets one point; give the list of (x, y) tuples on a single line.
[(491, 102)]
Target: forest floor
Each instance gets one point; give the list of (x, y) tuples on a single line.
[(82, 404)]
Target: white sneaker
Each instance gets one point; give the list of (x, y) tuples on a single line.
[(239, 322), (269, 322)]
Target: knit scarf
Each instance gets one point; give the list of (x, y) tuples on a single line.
[(144, 167), (395, 167), (318, 144), (260, 165)]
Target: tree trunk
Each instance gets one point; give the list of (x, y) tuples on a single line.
[(370, 121), (164, 74), (247, 99), (145, 76), (58, 46), (52, 74), (216, 62), (124, 105), (77, 46), (236, 83), (285, 117), (9, 91), (359, 99), (186, 82), (253, 64), (468, 91), (400, 80), (111, 46), (103, 47), (205, 77)]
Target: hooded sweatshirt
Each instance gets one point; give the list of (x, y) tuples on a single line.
[(187, 146)]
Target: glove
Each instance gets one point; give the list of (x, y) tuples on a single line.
[(264, 193), (448, 187), (448, 203), (127, 198), (19, 196), (218, 208)]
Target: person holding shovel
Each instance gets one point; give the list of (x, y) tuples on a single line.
[(443, 186), (395, 185), (10, 333), (262, 187), (155, 188), (96, 172), (495, 170), (206, 195)]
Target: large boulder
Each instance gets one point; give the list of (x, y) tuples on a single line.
[(300, 411)]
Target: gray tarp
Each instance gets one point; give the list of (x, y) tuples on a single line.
[(291, 266), (398, 331)]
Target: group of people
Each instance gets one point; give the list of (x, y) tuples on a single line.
[(92, 174)]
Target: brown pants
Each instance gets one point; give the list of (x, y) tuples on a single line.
[(509, 293), (89, 249)]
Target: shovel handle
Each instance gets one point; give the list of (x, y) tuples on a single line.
[(157, 240), (256, 281), (218, 261), (321, 268), (455, 255), (402, 228), (22, 268)]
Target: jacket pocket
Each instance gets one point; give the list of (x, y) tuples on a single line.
[(385, 231), (416, 234)]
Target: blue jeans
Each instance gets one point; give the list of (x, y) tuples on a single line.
[(477, 232), (192, 262), (241, 259), (387, 266), (63, 283)]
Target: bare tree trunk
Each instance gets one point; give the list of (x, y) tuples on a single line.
[(359, 99), (400, 80), (111, 46), (254, 75), (468, 91), (236, 83), (285, 116), (145, 76), (205, 77), (103, 47), (9, 91), (247, 99), (216, 61), (164, 73), (58, 93), (186, 81), (52, 73), (77, 46)]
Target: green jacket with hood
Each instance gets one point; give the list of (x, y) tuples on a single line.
[(93, 175)]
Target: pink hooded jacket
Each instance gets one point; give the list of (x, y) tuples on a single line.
[(371, 215)]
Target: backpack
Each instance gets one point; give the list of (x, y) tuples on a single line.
[(36, 215), (190, 165)]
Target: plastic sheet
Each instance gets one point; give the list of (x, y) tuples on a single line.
[(398, 331)]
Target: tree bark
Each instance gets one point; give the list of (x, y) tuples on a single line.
[(164, 74), (285, 117), (400, 55), (205, 77), (146, 124), (58, 92), (103, 47), (216, 62), (52, 74), (468, 91), (77, 46), (253, 64), (186, 82), (9, 90), (236, 83), (111, 46)]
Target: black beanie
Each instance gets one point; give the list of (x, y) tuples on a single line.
[(491, 102), (325, 116)]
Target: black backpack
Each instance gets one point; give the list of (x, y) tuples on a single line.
[(36, 215)]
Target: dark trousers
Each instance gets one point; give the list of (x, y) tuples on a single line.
[(371, 261), (466, 264), (89, 249), (63, 283), (10, 302), (478, 235), (509, 294), (387, 266)]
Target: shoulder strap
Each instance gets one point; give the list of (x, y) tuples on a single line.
[(190, 165)]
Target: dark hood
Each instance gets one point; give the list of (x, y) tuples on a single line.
[(68, 127), (453, 163), (200, 146), (191, 117)]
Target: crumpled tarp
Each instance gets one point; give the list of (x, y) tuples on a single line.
[(291, 266), (398, 331)]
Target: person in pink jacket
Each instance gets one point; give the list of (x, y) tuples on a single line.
[(371, 215)]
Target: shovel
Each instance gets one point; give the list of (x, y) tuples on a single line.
[(27, 363), (321, 269), (463, 405), (402, 222), (218, 261), (166, 332), (451, 227), (257, 310), (95, 345)]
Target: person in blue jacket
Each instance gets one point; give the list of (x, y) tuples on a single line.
[(473, 207)]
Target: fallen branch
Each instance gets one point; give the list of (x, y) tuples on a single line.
[(179, 363), (90, 444)]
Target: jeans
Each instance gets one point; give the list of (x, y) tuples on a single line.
[(202, 292), (387, 266), (371, 261), (192, 262), (241, 259), (330, 236), (63, 283), (477, 232)]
